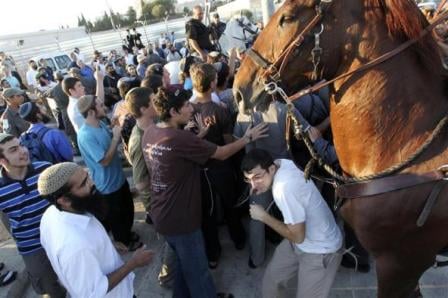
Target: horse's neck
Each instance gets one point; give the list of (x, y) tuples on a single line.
[(381, 117)]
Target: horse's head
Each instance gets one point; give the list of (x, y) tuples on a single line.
[(313, 57)]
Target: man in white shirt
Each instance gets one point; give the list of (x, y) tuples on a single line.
[(78, 247), (311, 249), (31, 74), (74, 89)]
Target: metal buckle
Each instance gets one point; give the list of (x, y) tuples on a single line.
[(444, 170)]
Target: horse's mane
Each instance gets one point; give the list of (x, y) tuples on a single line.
[(405, 21)]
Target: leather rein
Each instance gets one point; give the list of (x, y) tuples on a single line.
[(353, 187)]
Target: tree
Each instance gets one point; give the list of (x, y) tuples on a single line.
[(132, 15), (187, 11), (158, 11), (247, 13)]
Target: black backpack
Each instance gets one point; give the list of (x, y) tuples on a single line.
[(36, 147)]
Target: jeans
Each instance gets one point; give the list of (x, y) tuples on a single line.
[(193, 279)]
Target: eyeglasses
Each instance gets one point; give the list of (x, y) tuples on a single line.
[(256, 177)]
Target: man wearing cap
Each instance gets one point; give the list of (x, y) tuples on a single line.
[(54, 140), (198, 34), (21, 202), (98, 146), (79, 249), (74, 88), (10, 120), (141, 66)]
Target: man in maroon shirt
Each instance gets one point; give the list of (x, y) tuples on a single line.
[(174, 156)]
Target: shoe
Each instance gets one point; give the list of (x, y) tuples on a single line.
[(251, 264), (148, 219), (7, 278), (348, 262)]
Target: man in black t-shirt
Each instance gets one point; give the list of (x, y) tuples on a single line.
[(198, 34)]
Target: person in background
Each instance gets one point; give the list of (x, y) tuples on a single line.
[(10, 120), (48, 69), (198, 34), (6, 71), (98, 146), (55, 141), (31, 74)]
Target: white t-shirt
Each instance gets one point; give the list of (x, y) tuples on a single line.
[(82, 254), (173, 68), (74, 115), (300, 201), (31, 77)]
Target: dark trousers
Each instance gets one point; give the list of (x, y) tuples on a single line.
[(120, 214), (193, 279), (218, 183), (42, 276)]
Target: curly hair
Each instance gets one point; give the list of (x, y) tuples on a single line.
[(165, 100)]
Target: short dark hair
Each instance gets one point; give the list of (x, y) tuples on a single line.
[(223, 75), (165, 100), (69, 83), (136, 99), (256, 157), (202, 76), (6, 139), (153, 81)]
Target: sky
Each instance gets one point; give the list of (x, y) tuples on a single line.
[(20, 16)]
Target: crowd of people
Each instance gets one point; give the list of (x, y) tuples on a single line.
[(196, 163)]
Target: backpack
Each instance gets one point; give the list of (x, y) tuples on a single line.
[(36, 147)]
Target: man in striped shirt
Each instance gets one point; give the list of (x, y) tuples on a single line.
[(21, 202)]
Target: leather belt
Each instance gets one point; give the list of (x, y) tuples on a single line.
[(386, 184)]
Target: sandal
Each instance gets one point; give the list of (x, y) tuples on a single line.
[(7, 278)]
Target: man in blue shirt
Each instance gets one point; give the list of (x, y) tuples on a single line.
[(24, 207), (54, 140), (98, 146)]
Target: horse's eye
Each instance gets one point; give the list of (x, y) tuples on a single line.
[(285, 19)]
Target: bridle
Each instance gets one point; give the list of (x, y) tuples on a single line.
[(271, 76), (272, 71)]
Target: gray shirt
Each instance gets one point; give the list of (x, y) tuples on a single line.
[(12, 123)]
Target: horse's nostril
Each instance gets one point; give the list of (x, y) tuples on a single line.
[(238, 95)]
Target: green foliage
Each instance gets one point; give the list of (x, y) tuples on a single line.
[(158, 11), (132, 15), (248, 14), (187, 11)]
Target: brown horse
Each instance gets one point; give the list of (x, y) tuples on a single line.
[(379, 117)]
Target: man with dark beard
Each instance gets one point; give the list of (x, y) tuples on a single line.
[(79, 249)]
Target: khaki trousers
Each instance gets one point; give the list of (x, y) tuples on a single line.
[(315, 272)]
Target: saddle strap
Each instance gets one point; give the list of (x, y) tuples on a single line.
[(386, 184), (430, 203)]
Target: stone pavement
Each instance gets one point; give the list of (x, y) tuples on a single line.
[(232, 275)]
